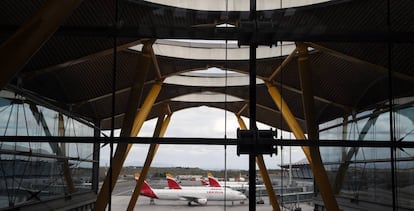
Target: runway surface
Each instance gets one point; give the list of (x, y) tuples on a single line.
[(123, 191)]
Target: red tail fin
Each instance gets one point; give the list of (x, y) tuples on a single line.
[(212, 181), (204, 182), (146, 189), (172, 183)]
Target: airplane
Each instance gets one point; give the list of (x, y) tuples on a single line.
[(213, 182), (237, 186), (199, 196), (173, 184), (204, 182)]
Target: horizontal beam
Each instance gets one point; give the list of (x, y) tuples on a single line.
[(41, 155), (207, 141), (214, 33)]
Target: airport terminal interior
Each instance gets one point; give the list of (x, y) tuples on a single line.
[(80, 77)]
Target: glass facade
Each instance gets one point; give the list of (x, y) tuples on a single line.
[(110, 59), (365, 174), (38, 171)]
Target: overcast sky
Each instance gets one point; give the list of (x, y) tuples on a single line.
[(199, 122)]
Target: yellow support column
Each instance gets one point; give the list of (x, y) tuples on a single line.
[(305, 76), (61, 130), (143, 65), (286, 113), (340, 175), (55, 146), (284, 63), (123, 149), (312, 127), (311, 154), (159, 132), (263, 171), (65, 163), (31, 36)]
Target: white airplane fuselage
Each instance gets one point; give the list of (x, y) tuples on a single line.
[(239, 185), (199, 195)]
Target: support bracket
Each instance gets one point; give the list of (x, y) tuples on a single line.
[(265, 142)]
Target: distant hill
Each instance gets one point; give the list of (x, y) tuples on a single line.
[(159, 172)]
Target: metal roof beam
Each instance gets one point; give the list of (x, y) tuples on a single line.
[(380, 69), (284, 63), (321, 99), (155, 62), (32, 74), (242, 109), (31, 36), (290, 88)]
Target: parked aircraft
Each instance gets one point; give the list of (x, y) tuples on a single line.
[(213, 182), (173, 184), (199, 196), (204, 182)]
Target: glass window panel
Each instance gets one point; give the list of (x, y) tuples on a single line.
[(367, 180), (33, 171)]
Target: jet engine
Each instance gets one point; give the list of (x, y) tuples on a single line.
[(201, 201)]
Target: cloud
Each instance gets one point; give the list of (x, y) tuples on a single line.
[(201, 122)]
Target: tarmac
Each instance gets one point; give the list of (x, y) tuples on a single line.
[(121, 203), (123, 192)]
